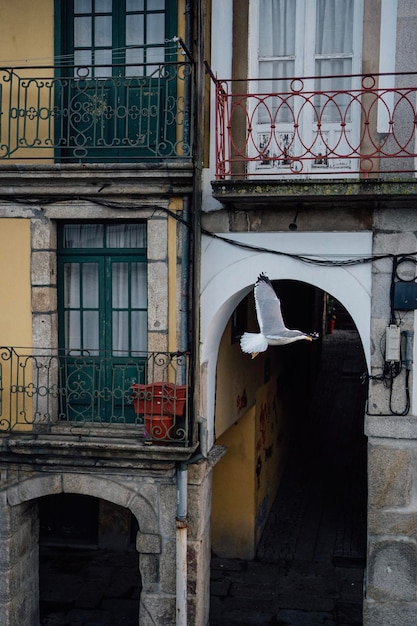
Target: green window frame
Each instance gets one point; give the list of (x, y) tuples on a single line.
[(102, 318), (111, 89)]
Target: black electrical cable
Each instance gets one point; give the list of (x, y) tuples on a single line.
[(407, 396), (312, 260), (302, 258), (387, 376)]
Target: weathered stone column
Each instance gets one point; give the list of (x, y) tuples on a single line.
[(391, 578), (19, 563), (200, 479), (391, 591)]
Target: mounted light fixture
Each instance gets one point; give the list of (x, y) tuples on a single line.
[(293, 226)]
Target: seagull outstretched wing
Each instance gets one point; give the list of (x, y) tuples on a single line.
[(268, 308), (273, 331)]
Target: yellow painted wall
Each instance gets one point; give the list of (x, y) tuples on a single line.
[(272, 443), (264, 391), (15, 290), (26, 39), (26, 32), (238, 378), (233, 503), (250, 422), (15, 318), (175, 231), (246, 480)]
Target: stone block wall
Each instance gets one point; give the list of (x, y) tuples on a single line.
[(151, 496), (391, 591), (391, 578), (19, 583)]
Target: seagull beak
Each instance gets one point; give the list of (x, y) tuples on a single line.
[(254, 354)]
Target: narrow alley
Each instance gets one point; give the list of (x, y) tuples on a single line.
[(310, 561)]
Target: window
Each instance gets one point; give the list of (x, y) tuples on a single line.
[(102, 278), (113, 87), (305, 47)]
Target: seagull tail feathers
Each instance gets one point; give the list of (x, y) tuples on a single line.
[(253, 343)]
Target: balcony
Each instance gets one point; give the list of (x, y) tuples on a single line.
[(125, 114), (72, 402), (345, 127)]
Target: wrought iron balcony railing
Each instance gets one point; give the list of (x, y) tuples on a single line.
[(123, 114), (147, 394), (326, 126)]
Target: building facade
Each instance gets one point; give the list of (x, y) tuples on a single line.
[(286, 130), (311, 180), (97, 278)]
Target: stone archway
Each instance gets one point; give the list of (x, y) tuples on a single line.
[(229, 272), (19, 532)]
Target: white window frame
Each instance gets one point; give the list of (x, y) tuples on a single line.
[(304, 65)]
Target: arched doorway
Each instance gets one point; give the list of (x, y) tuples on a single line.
[(315, 532), (320, 511), (88, 563)]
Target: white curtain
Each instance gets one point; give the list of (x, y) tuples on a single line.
[(128, 310), (129, 317), (334, 36), (83, 236), (126, 236), (82, 307), (281, 36), (334, 26), (277, 28), (276, 45)]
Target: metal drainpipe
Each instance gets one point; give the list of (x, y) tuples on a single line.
[(182, 469), (181, 545)]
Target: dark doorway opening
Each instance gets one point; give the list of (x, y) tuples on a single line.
[(88, 563), (310, 561)]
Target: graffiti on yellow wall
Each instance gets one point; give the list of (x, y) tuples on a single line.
[(270, 451)]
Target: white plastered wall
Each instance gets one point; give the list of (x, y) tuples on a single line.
[(228, 273)]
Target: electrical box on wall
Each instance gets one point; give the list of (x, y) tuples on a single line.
[(392, 343), (405, 296)]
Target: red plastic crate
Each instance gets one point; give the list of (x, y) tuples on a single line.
[(159, 399)]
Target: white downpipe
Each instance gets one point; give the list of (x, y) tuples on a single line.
[(387, 48), (181, 545)]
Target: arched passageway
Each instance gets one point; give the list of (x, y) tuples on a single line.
[(88, 563), (320, 511), (310, 560)]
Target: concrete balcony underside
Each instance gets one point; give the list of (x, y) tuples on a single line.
[(281, 194), (110, 180), (99, 450)]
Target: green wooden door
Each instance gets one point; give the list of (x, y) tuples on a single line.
[(102, 274), (116, 92)]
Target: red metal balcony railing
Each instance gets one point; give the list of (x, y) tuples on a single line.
[(347, 126)]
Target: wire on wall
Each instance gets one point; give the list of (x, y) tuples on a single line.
[(391, 369)]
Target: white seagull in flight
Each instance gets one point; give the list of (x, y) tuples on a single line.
[(271, 324)]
